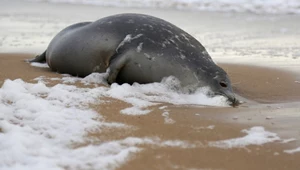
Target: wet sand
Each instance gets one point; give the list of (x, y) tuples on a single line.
[(272, 100)]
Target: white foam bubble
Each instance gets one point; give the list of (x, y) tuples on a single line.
[(211, 127), (167, 118), (70, 80), (288, 140), (292, 151), (142, 96), (135, 111), (155, 141), (163, 107), (201, 128), (42, 65), (95, 78), (255, 136)]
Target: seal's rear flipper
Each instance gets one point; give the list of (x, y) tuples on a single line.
[(39, 58)]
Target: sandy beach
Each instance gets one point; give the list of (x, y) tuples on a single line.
[(261, 54)]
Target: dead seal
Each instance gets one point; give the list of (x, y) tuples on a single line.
[(135, 48)]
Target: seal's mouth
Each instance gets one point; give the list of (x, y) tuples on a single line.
[(233, 101)]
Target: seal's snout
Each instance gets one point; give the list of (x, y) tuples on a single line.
[(234, 102), (230, 97)]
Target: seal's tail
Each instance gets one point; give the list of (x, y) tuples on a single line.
[(39, 58)]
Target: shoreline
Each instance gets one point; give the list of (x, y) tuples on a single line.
[(273, 86), (268, 93)]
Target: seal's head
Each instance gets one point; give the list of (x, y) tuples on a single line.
[(220, 84)]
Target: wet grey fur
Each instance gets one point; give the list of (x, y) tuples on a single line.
[(135, 48)]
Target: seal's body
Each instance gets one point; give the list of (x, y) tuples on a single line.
[(135, 48)]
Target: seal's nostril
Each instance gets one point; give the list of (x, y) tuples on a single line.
[(235, 102), (223, 84)]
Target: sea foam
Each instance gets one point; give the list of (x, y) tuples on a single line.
[(45, 127)]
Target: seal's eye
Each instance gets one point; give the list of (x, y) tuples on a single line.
[(223, 84)]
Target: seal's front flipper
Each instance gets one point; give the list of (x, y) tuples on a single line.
[(116, 65), (39, 58)]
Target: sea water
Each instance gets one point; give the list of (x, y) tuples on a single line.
[(255, 6)]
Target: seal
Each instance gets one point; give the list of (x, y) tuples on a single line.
[(135, 48)]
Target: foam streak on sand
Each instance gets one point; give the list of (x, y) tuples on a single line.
[(46, 128), (255, 136), (39, 125), (291, 151), (141, 96), (42, 65)]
